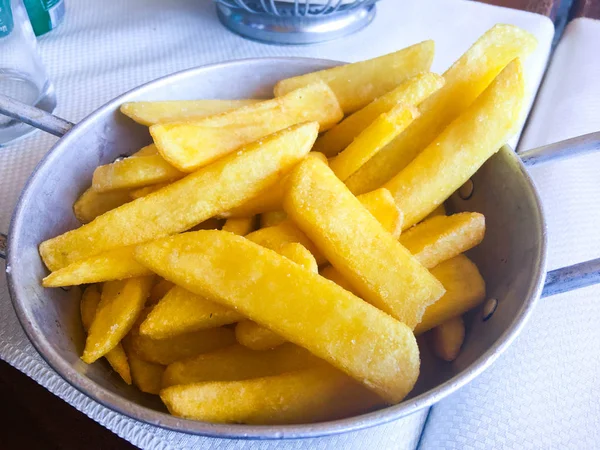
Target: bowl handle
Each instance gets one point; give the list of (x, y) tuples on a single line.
[(33, 116), (585, 273)]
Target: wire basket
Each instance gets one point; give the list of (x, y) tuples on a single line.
[(295, 21)]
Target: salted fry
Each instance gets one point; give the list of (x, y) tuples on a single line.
[(132, 173), (119, 308), (166, 351), (238, 363), (310, 311), (241, 226), (468, 77), (372, 139), (191, 145), (305, 396), (143, 191), (92, 204), (465, 289), (181, 311), (462, 148), (382, 206), (187, 202), (355, 243), (357, 84), (272, 218), (256, 337), (116, 264), (411, 92), (447, 338), (150, 113)]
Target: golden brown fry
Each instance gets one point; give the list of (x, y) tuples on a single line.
[(143, 191), (310, 311), (382, 206), (465, 289), (465, 81), (132, 173), (119, 308), (462, 148), (443, 237), (92, 204), (116, 264), (298, 253), (447, 338), (256, 337), (272, 218), (238, 363), (373, 261), (149, 113), (305, 396), (148, 150), (187, 202), (332, 274), (412, 92), (241, 226), (191, 145), (355, 85), (145, 375)]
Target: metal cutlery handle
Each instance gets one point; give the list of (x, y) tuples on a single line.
[(33, 116)]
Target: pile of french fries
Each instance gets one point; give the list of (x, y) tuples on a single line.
[(272, 261)]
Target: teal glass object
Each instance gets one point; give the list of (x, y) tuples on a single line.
[(45, 15)]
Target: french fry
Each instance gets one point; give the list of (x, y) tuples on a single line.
[(145, 375), (116, 264), (187, 202), (310, 311), (443, 237), (132, 173), (92, 204), (256, 337), (355, 85), (355, 243), (462, 148), (169, 350), (382, 206), (272, 218), (332, 274), (238, 363), (150, 113), (119, 308), (158, 291), (191, 145), (116, 357), (148, 150), (447, 338), (181, 311), (465, 289), (465, 81), (241, 226), (412, 92), (305, 396), (143, 191), (300, 255), (372, 139)]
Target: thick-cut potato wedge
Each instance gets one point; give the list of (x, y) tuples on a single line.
[(443, 237), (119, 308), (357, 84), (381, 204), (272, 218), (310, 311), (241, 226), (462, 148), (305, 396), (191, 145), (116, 357), (143, 191), (465, 289), (256, 337), (149, 113), (238, 363), (447, 338), (372, 139), (412, 92), (356, 244), (159, 290), (181, 311), (465, 81), (131, 173), (92, 204), (116, 264), (439, 211), (187, 202), (145, 375), (169, 350)]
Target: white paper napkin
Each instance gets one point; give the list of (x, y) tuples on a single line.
[(106, 48)]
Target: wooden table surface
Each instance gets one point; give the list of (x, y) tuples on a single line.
[(32, 417)]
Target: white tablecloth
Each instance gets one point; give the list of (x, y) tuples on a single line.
[(105, 48)]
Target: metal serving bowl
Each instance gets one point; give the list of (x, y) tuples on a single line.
[(512, 257)]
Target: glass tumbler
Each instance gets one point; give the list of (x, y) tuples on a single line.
[(22, 75)]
